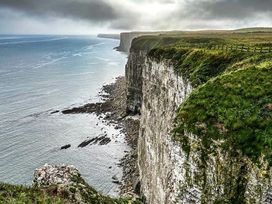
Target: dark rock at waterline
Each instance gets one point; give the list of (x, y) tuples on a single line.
[(86, 142), (97, 108), (56, 111), (115, 180), (66, 146), (118, 127), (101, 140), (105, 141)]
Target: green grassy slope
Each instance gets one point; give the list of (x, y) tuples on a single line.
[(260, 37), (232, 99), (19, 194)]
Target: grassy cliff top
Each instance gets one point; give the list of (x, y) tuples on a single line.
[(232, 99), (250, 37), (236, 106), (79, 193)]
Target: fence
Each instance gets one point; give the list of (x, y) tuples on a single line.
[(241, 48)]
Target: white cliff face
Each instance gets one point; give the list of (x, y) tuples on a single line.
[(170, 173), (134, 78), (126, 40), (160, 159)]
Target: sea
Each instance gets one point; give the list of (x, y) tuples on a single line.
[(40, 74)]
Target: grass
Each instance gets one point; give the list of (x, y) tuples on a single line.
[(232, 99), (19, 194), (198, 65), (261, 37), (233, 102)]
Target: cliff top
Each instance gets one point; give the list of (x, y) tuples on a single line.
[(249, 36), (232, 99), (56, 184), (231, 72)]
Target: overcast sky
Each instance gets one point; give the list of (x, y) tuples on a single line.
[(96, 16)]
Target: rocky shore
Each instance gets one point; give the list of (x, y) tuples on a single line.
[(112, 110)]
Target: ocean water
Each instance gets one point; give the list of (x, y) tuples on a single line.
[(40, 74)]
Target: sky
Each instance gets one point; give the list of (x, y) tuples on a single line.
[(113, 16)]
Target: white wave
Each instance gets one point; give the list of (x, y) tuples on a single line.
[(90, 47), (103, 59), (77, 55), (9, 37), (48, 63), (78, 74), (33, 41), (113, 63)]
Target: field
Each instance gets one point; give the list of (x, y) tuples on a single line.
[(243, 37)]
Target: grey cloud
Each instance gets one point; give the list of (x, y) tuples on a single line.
[(131, 14), (227, 9), (91, 10)]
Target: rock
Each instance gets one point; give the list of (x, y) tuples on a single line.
[(268, 106), (137, 186), (101, 140), (65, 182), (118, 127), (115, 180), (54, 175), (66, 146), (53, 112), (86, 142), (105, 141)]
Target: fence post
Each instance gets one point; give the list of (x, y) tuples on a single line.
[(254, 49), (261, 49)]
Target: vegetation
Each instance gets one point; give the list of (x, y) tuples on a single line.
[(90, 195), (21, 194), (236, 107), (230, 106), (55, 194), (250, 37), (198, 65), (232, 99)]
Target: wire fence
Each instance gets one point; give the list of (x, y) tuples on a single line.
[(241, 48)]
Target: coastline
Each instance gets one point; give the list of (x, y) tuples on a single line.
[(112, 110)]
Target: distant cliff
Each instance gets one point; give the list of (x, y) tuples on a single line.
[(125, 41), (111, 36), (127, 38)]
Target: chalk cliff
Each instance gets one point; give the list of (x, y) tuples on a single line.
[(176, 165)]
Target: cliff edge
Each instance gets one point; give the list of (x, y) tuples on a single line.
[(206, 117), (56, 184)]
